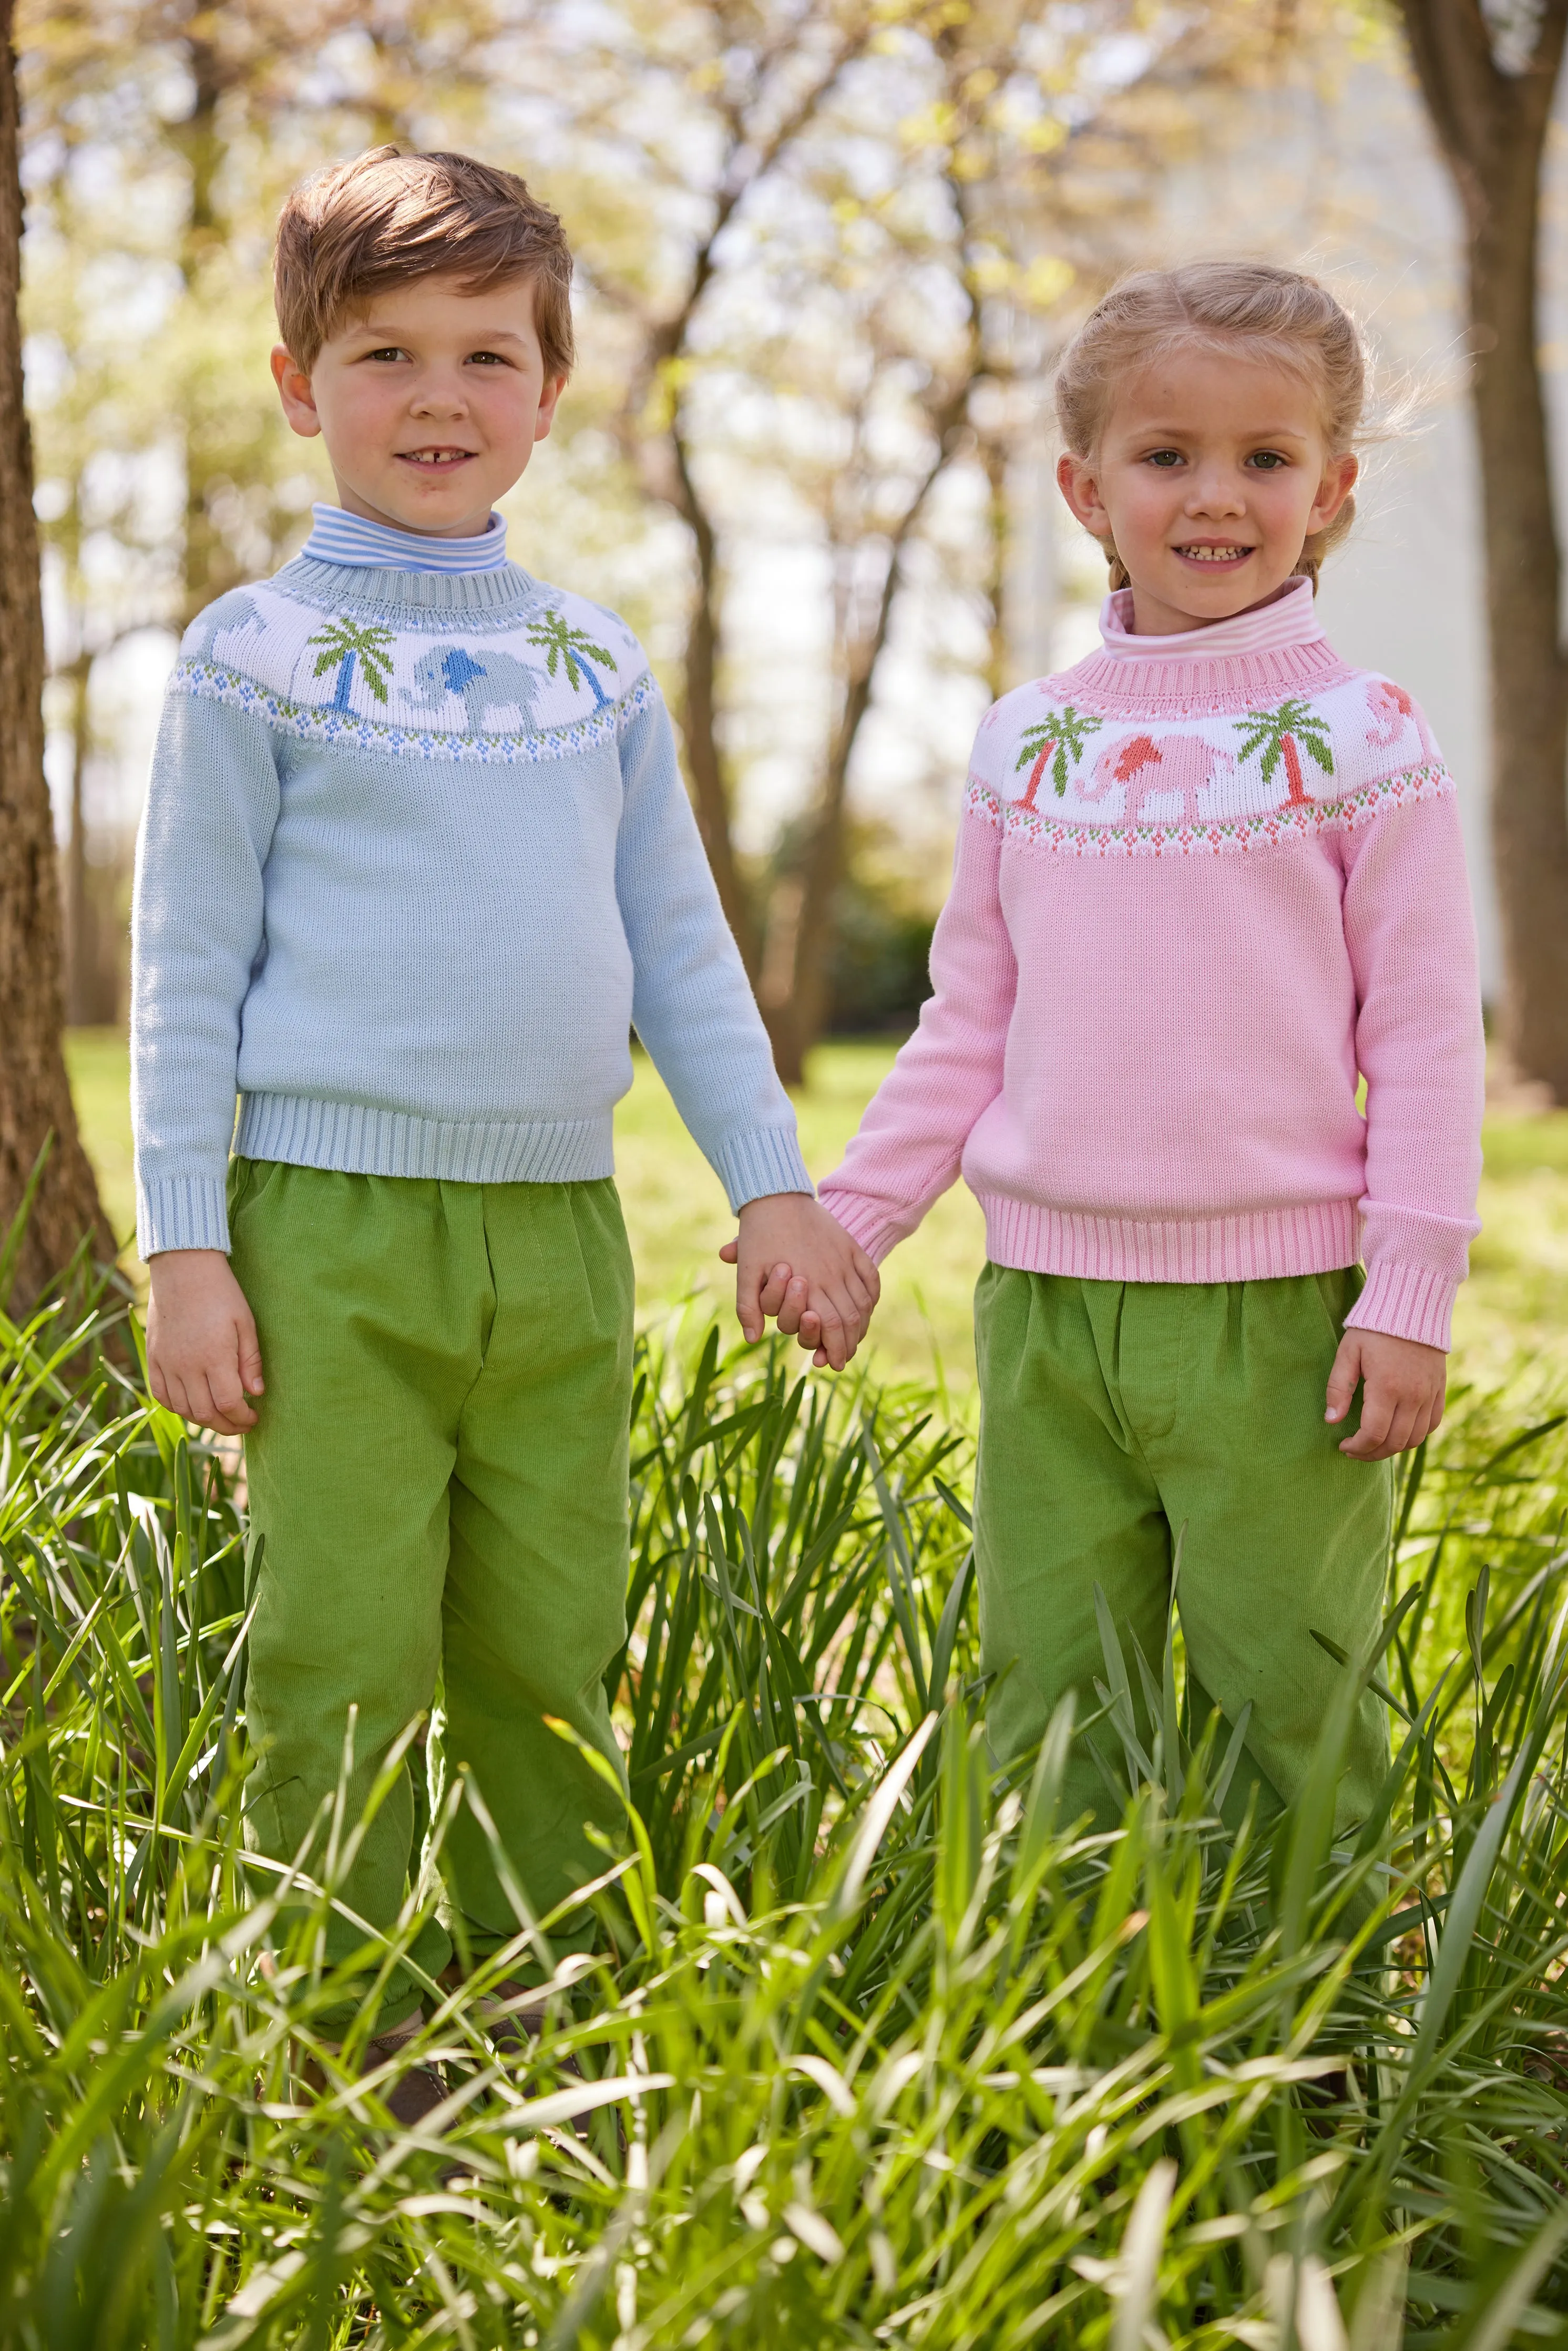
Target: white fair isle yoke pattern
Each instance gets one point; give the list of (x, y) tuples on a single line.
[(1203, 884), (417, 860)]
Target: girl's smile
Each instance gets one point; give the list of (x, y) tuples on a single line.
[(1212, 472)]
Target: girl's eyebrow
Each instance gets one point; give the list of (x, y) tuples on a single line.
[(1192, 432)]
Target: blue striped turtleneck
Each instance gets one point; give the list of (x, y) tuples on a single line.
[(338, 537)]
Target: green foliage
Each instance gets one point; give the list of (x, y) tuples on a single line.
[(898, 2056)]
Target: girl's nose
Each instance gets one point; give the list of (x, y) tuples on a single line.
[(1217, 493)]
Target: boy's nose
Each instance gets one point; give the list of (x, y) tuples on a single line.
[(439, 396)]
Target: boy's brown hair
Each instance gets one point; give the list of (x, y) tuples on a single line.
[(350, 232)]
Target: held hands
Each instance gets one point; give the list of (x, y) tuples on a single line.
[(202, 1359), (795, 1260), (1404, 1383)]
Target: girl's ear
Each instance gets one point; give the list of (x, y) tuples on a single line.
[(1340, 476), (1075, 478)]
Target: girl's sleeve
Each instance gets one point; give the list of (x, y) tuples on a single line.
[(911, 1141), (692, 1004), (197, 937), (1411, 935)]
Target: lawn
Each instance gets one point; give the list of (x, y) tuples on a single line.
[(876, 2047), (1513, 1320)]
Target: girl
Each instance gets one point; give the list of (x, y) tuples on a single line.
[(1205, 880)]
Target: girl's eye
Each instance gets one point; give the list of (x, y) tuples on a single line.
[(1165, 457), (1268, 461)]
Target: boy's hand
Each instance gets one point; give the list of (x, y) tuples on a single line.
[(795, 1260), (202, 1359), (1402, 1398)]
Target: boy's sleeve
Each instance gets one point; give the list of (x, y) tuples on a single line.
[(1420, 1045), (911, 1141), (196, 939), (692, 1003)]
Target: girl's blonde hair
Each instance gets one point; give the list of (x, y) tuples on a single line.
[(1277, 314)]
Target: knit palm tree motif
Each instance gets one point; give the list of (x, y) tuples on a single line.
[(564, 645), (1278, 733), (346, 641), (1059, 739)]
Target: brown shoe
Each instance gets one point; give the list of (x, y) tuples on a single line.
[(513, 2033), (413, 2095)]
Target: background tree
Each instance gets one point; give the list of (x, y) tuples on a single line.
[(35, 1095), (1488, 79)]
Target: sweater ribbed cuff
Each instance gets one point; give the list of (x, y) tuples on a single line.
[(1406, 1301), (866, 1220), (183, 1212), (753, 1167)]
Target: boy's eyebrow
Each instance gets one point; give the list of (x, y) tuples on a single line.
[(387, 331)]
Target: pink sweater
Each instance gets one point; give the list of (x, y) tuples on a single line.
[(1202, 882)]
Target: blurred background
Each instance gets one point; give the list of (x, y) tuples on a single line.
[(827, 252)]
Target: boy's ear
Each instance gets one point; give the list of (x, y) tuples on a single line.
[(549, 400), (294, 391)]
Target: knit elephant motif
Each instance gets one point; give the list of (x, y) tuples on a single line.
[(498, 681), (1143, 766), (1392, 710), (234, 611)]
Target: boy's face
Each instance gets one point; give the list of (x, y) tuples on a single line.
[(430, 403)]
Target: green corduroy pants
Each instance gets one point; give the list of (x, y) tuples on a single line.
[(438, 1488), (1112, 1415)]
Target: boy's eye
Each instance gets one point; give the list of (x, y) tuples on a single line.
[(390, 351), (486, 359)]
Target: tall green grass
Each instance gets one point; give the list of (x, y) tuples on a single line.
[(880, 2048)]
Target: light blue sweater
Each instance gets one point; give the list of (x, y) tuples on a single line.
[(416, 858)]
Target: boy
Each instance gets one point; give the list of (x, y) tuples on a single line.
[(416, 857)]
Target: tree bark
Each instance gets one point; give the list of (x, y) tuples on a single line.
[(1492, 125), (35, 1092)]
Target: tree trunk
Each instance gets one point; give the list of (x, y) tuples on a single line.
[(34, 1094), (81, 935), (699, 712), (1491, 127)]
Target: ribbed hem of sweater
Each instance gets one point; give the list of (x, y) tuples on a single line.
[(1407, 1302), (359, 1141), (351, 1138), (1401, 1300), (1263, 1245)]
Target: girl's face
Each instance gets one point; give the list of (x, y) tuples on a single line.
[(1212, 472)]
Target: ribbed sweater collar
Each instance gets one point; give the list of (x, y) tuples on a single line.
[(338, 537), (393, 592), (1268, 650)]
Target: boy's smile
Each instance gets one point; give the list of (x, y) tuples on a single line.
[(1212, 472), (430, 403)]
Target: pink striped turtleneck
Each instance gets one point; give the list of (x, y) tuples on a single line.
[(1203, 884)]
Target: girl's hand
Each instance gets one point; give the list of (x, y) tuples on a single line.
[(795, 1260), (1403, 1386), (202, 1356)]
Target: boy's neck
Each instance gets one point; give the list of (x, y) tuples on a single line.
[(339, 535), (471, 526)]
